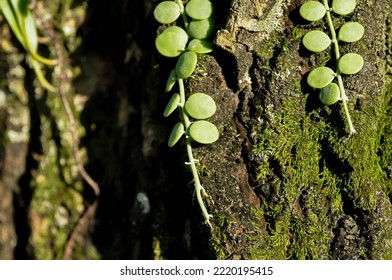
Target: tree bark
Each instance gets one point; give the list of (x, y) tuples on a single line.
[(284, 180)]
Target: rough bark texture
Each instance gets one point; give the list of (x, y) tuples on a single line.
[(287, 182), (284, 181)]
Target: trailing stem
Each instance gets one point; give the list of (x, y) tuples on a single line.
[(343, 95), (198, 187)]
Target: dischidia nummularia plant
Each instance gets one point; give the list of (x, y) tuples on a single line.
[(318, 41), (185, 43)]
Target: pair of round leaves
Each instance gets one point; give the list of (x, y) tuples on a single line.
[(202, 132), (350, 63), (318, 41), (172, 42), (314, 10), (199, 105)]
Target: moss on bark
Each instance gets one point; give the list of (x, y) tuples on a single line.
[(285, 180)]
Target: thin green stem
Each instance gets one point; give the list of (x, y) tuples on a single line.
[(343, 95), (198, 187), (183, 14), (344, 102)]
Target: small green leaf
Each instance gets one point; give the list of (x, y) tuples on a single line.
[(350, 63), (31, 30), (343, 7), (199, 9), (312, 11), (22, 22), (330, 94), (351, 32), (201, 46), (172, 105), (176, 134), (200, 106), (167, 12), (171, 80), (204, 132), (316, 41), (172, 41), (186, 64), (201, 29), (9, 15), (320, 77)]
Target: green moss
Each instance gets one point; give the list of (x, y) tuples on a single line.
[(305, 199), (297, 33), (315, 171), (311, 173), (219, 238), (55, 206)]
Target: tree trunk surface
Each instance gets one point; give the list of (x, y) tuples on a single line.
[(284, 180)]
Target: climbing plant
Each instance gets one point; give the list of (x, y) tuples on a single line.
[(317, 41), (185, 40)]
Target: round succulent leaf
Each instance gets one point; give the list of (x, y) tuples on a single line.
[(312, 10), (201, 46), (204, 132), (316, 41), (200, 106), (172, 105), (172, 41), (330, 94), (176, 134), (350, 63), (343, 7), (320, 77), (171, 80), (167, 12), (186, 64), (199, 9), (201, 29), (351, 32)]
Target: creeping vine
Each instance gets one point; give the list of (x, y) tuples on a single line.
[(186, 42), (317, 41)]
